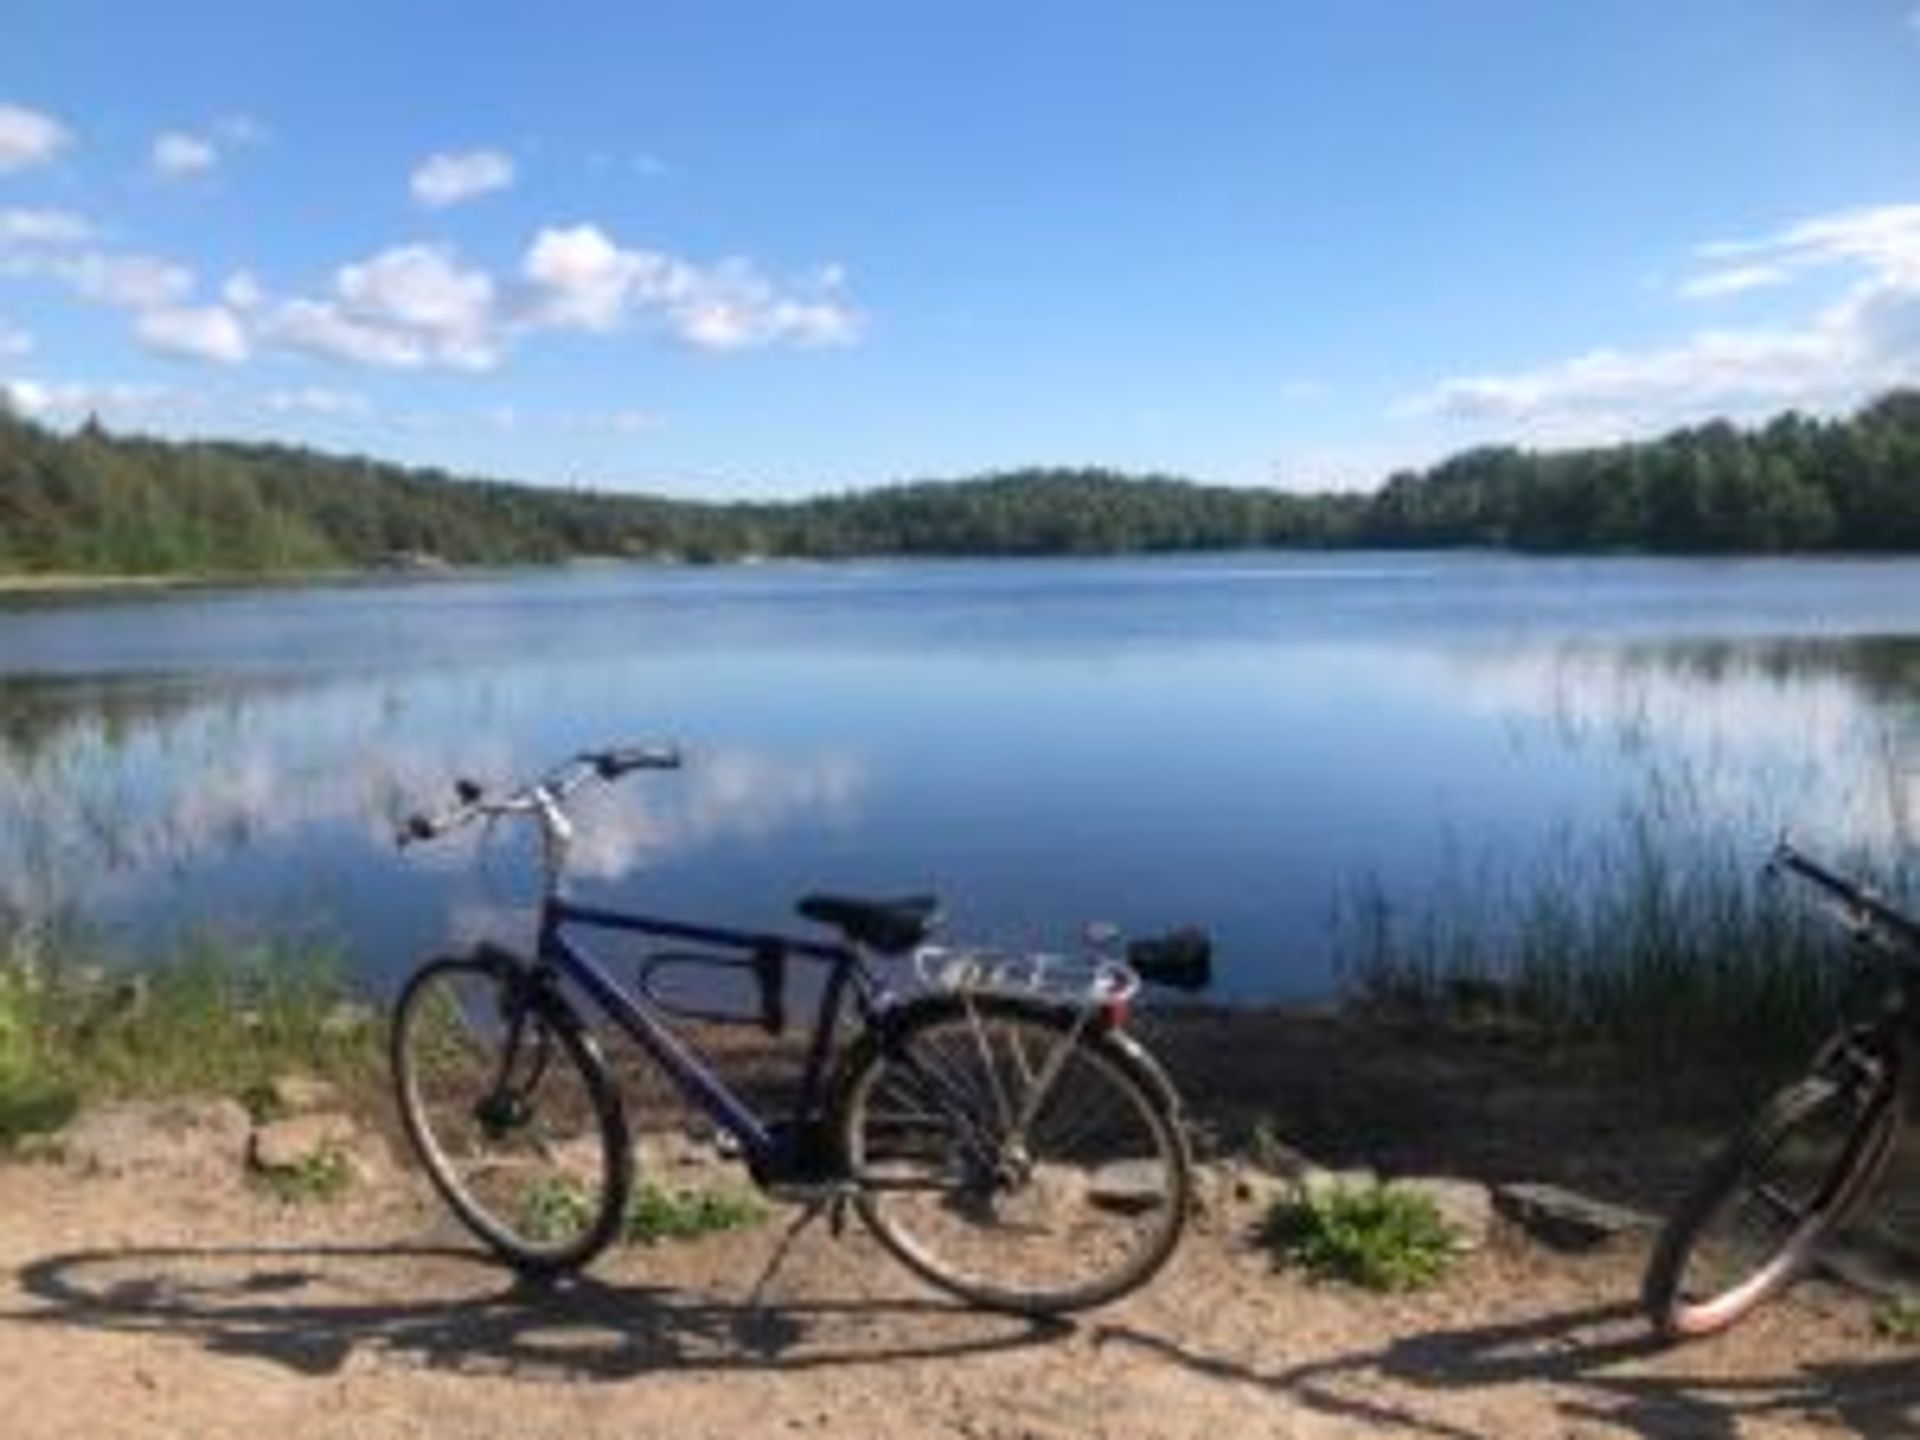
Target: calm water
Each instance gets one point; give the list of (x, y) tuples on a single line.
[(1245, 742)]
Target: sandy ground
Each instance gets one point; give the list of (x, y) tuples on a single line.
[(183, 1304)]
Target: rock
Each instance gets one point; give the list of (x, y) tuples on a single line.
[(157, 1135), (1464, 1206), (1278, 1158), (1315, 1182), (301, 1094), (1259, 1191), (299, 1141), (1127, 1187), (1232, 1194), (1566, 1219)]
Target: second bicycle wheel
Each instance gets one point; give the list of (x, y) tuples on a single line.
[(1760, 1209), (1012, 1158), (511, 1111)]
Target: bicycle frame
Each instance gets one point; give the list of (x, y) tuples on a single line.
[(763, 1144)]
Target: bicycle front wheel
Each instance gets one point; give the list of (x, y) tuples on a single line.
[(1011, 1156), (1760, 1209), (511, 1111)]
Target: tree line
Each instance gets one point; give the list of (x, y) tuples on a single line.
[(95, 502)]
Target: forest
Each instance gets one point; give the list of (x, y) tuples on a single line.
[(92, 502)]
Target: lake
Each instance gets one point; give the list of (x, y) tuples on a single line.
[(1248, 742)]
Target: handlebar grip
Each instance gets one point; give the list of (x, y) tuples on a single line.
[(414, 828), (1180, 961), (612, 764)]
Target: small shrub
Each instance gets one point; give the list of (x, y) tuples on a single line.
[(658, 1214), (33, 1101), (1898, 1320), (33, 1105), (556, 1208), (323, 1175), (206, 1020), (1374, 1237)]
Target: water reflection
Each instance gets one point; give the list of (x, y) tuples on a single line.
[(1820, 734), (1228, 743)]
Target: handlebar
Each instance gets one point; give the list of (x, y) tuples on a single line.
[(542, 797), (1863, 911)]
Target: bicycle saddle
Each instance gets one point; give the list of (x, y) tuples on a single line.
[(889, 926)]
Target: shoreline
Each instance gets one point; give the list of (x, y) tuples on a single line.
[(30, 584)]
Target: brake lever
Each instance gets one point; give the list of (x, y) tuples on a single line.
[(412, 830)]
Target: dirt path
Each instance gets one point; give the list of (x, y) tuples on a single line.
[(162, 1305)]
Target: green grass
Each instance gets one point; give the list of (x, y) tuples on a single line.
[(554, 1209), (658, 1213), (1371, 1236), (1660, 943), (1898, 1320), (321, 1176), (210, 1019), (559, 1207)]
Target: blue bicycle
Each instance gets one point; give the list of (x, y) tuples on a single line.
[(985, 1114)]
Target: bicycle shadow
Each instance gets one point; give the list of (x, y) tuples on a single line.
[(311, 1307), (1592, 1354)]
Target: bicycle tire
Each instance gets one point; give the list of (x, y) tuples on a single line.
[(946, 1188), (1867, 1107), (567, 1175)]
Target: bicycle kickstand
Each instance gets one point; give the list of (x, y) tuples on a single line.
[(833, 1206)]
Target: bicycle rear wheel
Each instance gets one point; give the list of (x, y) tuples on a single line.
[(1758, 1212), (1012, 1157), (512, 1112)]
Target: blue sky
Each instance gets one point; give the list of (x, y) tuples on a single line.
[(749, 249)]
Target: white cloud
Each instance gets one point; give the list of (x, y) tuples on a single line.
[(578, 277), (133, 282), (582, 279), (14, 342), (316, 400), (407, 307), (1880, 237), (43, 228), (242, 291), (634, 422), (210, 332), (321, 327), (420, 287), (1734, 280), (179, 156), (28, 138), (240, 130), (1837, 355), (418, 306), (48, 400), (448, 179)]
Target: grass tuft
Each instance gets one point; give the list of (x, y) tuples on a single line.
[(1898, 1320), (1655, 943), (658, 1213), (321, 1176), (555, 1209), (211, 1019), (1371, 1236)]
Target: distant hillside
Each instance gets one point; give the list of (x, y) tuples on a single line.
[(98, 503)]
